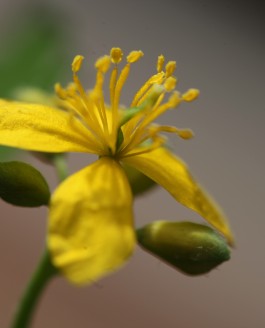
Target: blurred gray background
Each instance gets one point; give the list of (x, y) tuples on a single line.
[(219, 48)]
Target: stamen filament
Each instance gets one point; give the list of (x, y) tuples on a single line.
[(145, 121), (160, 110), (155, 79), (102, 113), (112, 86), (158, 142), (119, 85), (135, 131), (75, 105), (90, 116), (93, 144)]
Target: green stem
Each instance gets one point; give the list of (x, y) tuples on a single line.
[(45, 271), (61, 166)]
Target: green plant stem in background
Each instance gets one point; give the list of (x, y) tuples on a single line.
[(45, 271), (60, 166)]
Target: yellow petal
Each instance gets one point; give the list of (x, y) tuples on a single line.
[(42, 128), (91, 225), (171, 173)]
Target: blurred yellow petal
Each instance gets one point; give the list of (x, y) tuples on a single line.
[(91, 226), (42, 128), (171, 173)]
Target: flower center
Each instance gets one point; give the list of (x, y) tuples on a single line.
[(125, 132)]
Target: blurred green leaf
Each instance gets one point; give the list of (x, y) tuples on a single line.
[(22, 185), (34, 53), (34, 50)]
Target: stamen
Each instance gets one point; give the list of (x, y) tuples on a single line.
[(170, 68), (131, 58), (81, 104), (155, 79), (185, 134), (88, 115), (157, 142), (174, 99), (148, 94), (134, 56), (71, 89), (160, 63), (103, 63), (116, 55), (89, 121), (135, 125), (150, 101), (153, 132), (96, 96), (61, 93), (172, 102), (112, 85), (151, 104), (170, 83), (190, 95), (76, 64), (120, 83), (93, 142), (182, 133), (71, 101)]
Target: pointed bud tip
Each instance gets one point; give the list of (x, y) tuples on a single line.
[(190, 247)]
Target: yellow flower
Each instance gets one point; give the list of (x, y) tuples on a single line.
[(90, 231)]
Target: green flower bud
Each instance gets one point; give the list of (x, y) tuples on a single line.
[(139, 182), (23, 185), (192, 248)]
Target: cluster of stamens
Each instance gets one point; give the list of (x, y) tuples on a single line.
[(125, 132)]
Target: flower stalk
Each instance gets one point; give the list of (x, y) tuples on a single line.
[(43, 274), (45, 270)]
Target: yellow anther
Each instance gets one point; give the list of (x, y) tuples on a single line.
[(134, 56), (191, 95), (157, 78), (71, 88), (174, 99), (103, 63), (77, 62), (170, 68), (170, 83), (160, 63), (116, 55), (61, 93), (185, 134)]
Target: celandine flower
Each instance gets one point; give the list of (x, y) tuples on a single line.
[(90, 231)]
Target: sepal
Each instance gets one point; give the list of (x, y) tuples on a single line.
[(23, 185), (192, 248), (139, 182)]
